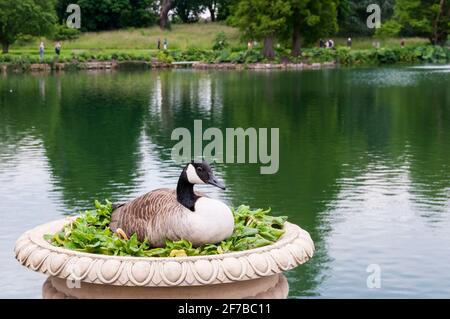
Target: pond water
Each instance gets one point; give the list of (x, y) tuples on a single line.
[(364, 162)]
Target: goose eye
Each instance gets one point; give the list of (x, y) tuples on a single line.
[(199, 169)]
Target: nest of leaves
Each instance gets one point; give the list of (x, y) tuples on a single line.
[(90, 233)]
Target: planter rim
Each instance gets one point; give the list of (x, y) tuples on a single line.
[(294, 248)]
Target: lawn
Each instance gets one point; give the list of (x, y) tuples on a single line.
[(141, 44), (181, 36)]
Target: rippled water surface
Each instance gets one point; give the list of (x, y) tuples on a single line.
[(364, 162)]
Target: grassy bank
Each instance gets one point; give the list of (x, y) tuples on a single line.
[(341, 55), (194, 42), (180, 37)]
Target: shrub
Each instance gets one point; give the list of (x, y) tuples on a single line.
[(193, 54), (319, 55), (62, 32), (115, 56), (237, 57), (24, 39), (220, 42), (432, 54), (177, 55), (5, 58), (123, 57), (253, 56), (387, 56), (164, 57), (104, 57), (224, 56)]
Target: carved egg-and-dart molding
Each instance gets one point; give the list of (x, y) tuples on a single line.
[(295, 247)]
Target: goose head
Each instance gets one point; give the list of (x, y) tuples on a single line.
[(195, 172), (199, 172)]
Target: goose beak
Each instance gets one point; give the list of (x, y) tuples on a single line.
[(215, 182)]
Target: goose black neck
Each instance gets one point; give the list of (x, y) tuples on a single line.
[(185, 192)]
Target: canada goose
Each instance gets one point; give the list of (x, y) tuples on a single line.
[(177, 214)]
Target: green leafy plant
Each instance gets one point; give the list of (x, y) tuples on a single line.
[(62, 32), (90, 233), (220, 42), (164, 57), (253, 56)]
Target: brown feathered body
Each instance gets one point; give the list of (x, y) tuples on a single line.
[(158, 216)]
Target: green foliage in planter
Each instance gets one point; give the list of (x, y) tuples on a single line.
[(90, 233)]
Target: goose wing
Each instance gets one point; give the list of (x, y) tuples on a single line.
[(156, 212)]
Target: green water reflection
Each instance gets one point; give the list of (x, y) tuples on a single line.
[(364, 160)]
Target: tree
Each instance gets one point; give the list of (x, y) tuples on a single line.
[(429, 18), (320, 20), (262, 20), (166, 6), (310, 20), (188, 10), (143, 13), (99, 15), (299, 14), (218, 9), (224, 8), (211, 6), (352, 15), (25, 17)]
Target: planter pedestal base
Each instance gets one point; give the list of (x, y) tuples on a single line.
[(273, 287)]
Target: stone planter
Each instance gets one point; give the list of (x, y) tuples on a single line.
[(255, 273)]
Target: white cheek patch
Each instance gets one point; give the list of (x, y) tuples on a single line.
[(192, 175)]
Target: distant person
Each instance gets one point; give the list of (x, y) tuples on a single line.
[(41, 50), (349, 42), (330, 44), (250, 45), (321, 43), (165, 44), (159, 44), (402, 43), (58, 48)]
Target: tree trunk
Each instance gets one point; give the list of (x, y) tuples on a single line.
[(5, 47), (166, 5), (296, 49), (212, 13), (268, 51), (436, 35)]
